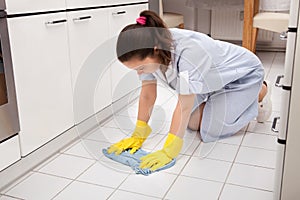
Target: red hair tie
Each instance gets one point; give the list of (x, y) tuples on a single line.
[(141, 20)]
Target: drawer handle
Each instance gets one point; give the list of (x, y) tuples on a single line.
[(119, 13), (56, 22), (277, 83), (81, 18), (274, 124)]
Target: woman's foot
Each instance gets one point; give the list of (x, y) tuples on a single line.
[(265, 106)]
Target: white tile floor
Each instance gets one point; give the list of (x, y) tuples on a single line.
[(239, 167)]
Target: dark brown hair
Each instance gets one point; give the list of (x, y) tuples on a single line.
[(138, 40)]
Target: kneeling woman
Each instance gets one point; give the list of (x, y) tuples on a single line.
[(219, 84)]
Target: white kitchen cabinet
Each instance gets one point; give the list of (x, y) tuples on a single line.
[(9, 152), (94, 3), (88, 32), (85, 3), (39, 47), (124, 80), (31, 6), (116, 2)]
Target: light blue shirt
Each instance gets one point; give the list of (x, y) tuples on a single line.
[(202, 65)]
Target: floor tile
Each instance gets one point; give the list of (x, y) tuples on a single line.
[(214, 170), (181, 161), (105, 175), (108, 134), (218, 151), (125, 123), (3, 197), (45, 162), (264, 128), (67, 166), (78, 150), (189, 146), (78, 191), (257, 140), (236, 139), (121, 122), (193, 188), (153, 140), (123, 195), (232, 192), (16, 182), (131, 111), (156, 184), (39, 186), (251, 176), (163, 93), (94, 148), (257, 157)]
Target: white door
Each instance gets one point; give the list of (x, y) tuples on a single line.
[(39, 47), (31, 6), (124, 80), (88, 39)]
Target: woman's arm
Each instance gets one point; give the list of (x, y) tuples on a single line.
[(146, 100), (181, 114), (174, 141)]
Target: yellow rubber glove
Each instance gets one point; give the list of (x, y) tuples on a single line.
[(141, 132), (162, 157)]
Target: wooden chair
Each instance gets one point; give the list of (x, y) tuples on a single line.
[(254, 20), (172, 20)]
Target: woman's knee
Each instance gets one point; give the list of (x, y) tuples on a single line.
[(195, 118)]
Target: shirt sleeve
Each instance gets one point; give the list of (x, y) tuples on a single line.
[(193, 65)]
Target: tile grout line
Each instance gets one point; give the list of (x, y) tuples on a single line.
[(179, 174), (223, 186), (259, 189), (5, 195), (72, 180)]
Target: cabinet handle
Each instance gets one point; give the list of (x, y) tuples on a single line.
[(119, 13), (81, 18), (277, 83), (274, 124), (56, 22)]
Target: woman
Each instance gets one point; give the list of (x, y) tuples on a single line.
[(219, 84)]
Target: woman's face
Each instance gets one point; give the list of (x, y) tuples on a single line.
[(145, 66)]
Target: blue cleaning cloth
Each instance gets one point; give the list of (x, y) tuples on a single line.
[(133, 161)]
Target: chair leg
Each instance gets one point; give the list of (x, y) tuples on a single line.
[(250, 33), (253, 40)]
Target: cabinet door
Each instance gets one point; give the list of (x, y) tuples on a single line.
[(95, 3), (85, 3), (124, 80), (116, 2), (88, 35), (39, 47), (30, 6), (9, 152)]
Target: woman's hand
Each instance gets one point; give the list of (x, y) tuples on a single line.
[(162, 157), (139, 135)]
